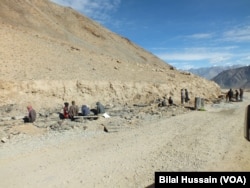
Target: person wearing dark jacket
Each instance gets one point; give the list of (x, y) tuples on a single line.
[(241, 94), (230, 95), (100, 108), (236, 95), (182, 96), (170, 101), (186, 96)]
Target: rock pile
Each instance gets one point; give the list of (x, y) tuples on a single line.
[(121, 117)]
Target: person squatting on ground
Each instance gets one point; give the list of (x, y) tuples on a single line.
[(31, 117), (170, 101), (66, 110), (164, 102), (73, 110), (99, 108), (85, 110)]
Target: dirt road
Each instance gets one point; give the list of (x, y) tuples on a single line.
[(210, 140)]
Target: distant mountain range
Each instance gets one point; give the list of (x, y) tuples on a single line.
[(234, 78), (211, 72)]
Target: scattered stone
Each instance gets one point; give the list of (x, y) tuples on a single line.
[(4, 140), (121, 117)]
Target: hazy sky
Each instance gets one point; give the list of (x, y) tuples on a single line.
[(183, 33)]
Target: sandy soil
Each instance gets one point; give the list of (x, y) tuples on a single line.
[(211, 140), (39, 55)]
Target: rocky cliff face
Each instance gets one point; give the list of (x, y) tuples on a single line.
[(50, 54)]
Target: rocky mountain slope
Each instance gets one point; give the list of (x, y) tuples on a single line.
[(211, 72), (50, 54), (234, 78)]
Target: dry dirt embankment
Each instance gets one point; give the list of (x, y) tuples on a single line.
[(209, 140), (52, 94)]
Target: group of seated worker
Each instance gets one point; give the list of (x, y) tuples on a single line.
[(69, 112)]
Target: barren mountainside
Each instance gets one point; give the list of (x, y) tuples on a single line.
[(50, 54), (234, 78)]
